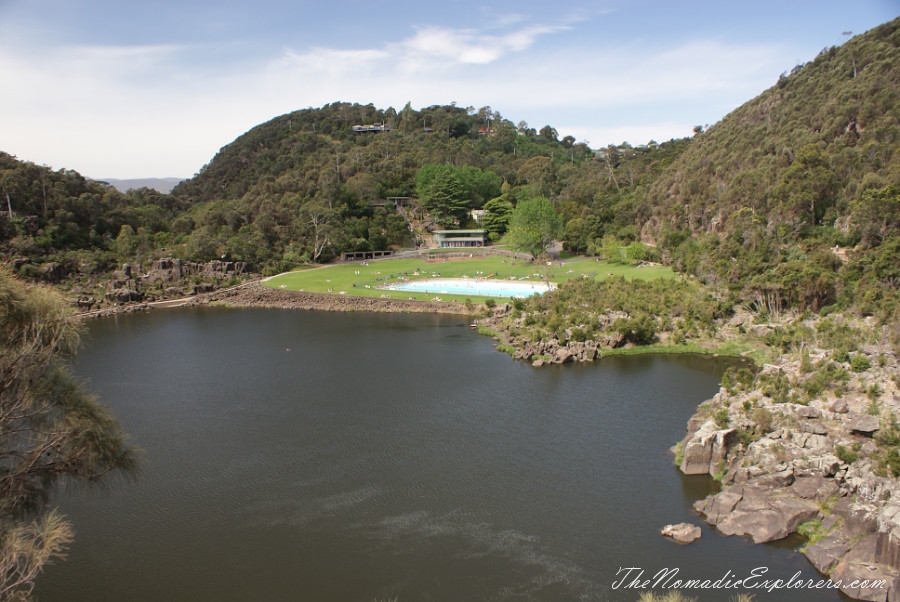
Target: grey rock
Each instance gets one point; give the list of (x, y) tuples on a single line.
[(759, 330), (753, 511), (814, 488), (866, 424), (859, 565), (707, 448), (774, 480), (808, 412), (682, 532), (840, 406), (826, 553), (563, 356), (718, 507), (860, 518), (815, 427)]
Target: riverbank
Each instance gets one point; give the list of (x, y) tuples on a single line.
[(256, 294)]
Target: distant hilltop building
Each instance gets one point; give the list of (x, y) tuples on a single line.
[(374, 127)]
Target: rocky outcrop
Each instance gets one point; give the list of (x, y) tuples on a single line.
[(706, 450), (752, 509), (822, 464), (166, 279)]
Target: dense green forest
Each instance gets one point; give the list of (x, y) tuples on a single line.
[(791, 201)]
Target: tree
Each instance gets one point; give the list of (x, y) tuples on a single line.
[(533, 225), (877, 214), (125, 244), (496, 216), (549, 133), (314, 222), (809, 184), (538, 171), (51, 430), (441, 192)]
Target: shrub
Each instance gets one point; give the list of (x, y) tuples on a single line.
[(860, 363), (764, 419), (845, 455), (721, 417), (893, 461)]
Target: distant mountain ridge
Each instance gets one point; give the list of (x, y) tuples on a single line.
[(164, 185)]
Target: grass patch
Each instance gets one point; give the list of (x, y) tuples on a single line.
[(361, 280)]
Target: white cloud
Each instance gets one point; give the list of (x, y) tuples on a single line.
[(156, 110), (635, 134)]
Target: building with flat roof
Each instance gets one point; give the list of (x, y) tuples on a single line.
[(460, 238)]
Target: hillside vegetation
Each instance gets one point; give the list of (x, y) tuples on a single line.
[(792, 202)]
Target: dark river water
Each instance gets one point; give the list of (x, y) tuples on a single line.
[(292, 456)]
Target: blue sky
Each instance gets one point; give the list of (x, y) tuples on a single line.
[(125, 89)]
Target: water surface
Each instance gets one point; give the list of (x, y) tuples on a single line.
[(342, 457)]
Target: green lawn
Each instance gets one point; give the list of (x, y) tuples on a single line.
[(341, 277)]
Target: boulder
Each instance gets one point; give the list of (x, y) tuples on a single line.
[(717, 507), (768, 520), (813, 426), (124, 295), (808, 412), (760, 512), (887, 544), (826, 553), (682, 532), (827, 464), (816, 488), (562, 356), (840, 406), (707, 448), (866, 424), (760, 330), (774, 480), (858, 566), (859, 518)]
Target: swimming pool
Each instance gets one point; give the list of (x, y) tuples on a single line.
[(479, 287)]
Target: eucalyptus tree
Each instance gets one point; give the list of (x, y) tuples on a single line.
[(534, 225)]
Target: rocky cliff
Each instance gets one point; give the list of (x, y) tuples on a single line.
[(809, 445)]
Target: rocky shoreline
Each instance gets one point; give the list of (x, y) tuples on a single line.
[(256, 294), (823, 467)]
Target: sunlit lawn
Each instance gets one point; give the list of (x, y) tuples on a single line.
[(362, 280)]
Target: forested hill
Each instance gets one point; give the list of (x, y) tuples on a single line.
[(792, 200), (317, 154), (758, 200), (802, 151)]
